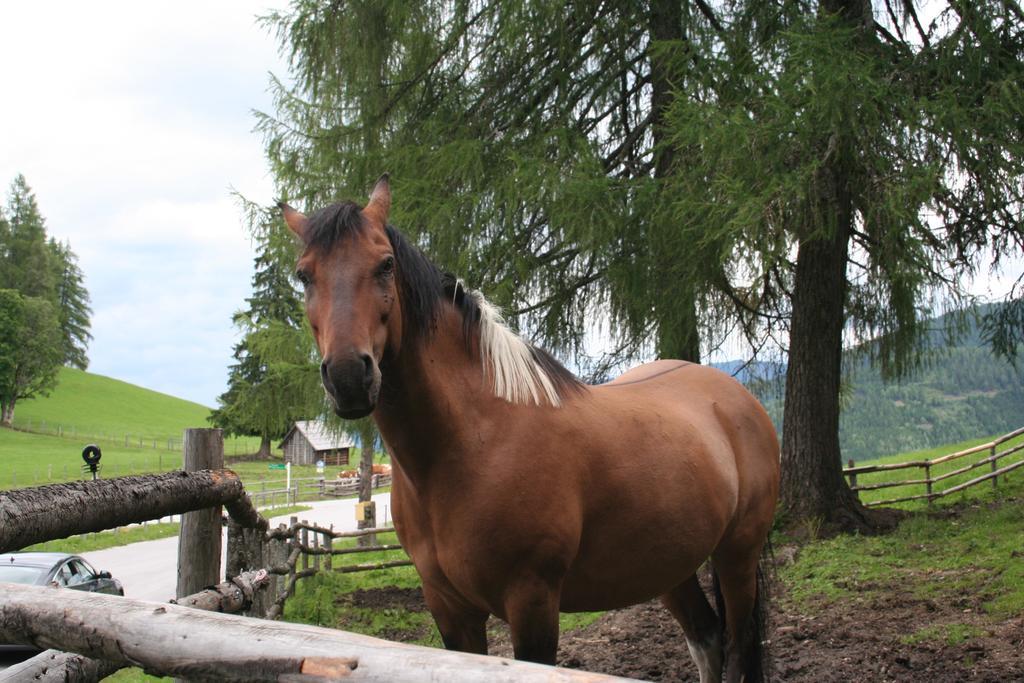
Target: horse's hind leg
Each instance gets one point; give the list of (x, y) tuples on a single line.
[(690, 607), (462, 628), (738, 587)]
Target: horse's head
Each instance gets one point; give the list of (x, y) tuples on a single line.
[(348, 271)]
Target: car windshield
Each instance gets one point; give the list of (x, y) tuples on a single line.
[(13, 574)]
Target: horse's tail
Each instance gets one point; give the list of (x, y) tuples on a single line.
[(756, 662)]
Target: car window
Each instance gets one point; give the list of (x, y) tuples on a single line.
[(80, 573), (12, 574), (64, 575)]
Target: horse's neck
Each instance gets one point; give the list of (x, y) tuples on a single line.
[(434, 395)]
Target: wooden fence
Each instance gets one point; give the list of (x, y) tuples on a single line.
[(300, 550), (311, 488), (929, 482)]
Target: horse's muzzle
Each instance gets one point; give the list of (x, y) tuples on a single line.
[(353, 384)]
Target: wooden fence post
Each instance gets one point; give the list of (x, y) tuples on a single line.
[(853, 476), (199, 539), (992, 454), (328, 546), (928, 481)]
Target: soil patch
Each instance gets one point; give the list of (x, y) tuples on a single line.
[(895, 637)]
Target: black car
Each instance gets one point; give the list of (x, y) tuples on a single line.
[(61, 569), (67, 571)]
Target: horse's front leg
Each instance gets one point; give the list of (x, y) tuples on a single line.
[(462, 627), (531, 605)]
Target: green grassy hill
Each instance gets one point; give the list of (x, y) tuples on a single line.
[(94, 405), (139, 431)]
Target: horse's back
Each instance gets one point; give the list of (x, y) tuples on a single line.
[(676, 456)]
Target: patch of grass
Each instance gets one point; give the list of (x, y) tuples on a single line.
[(947, 634), (577, 620), (977, 552)]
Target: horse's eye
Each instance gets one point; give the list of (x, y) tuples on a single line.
[(302, 277), (387, 266)]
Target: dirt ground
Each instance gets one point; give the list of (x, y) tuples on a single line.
[(860, 640)]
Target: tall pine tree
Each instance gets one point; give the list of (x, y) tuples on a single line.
[(48, 269), (852, 168), (72, 299), (27, 265)]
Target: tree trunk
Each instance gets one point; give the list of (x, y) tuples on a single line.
[(43, 513), (676, 315), (813, 487), (367, 435), (264, 452), (7, 414)]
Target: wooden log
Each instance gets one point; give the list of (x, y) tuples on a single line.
[(171, 640), (1006, 437), (64, 667), (199, 538), (234, 595), (370, 566), (43, 513), (348, 551), (889, 484), (978, 480), (329, 547), (54, 666), (245, 513), (289, 532)]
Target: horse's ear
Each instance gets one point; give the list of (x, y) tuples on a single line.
[(296, 221), (380, 200)]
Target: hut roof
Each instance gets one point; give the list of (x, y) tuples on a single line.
[(319, 435)]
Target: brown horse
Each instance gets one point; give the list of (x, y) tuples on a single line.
[(520, 492)]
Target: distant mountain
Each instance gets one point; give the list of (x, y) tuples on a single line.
[(961, 392)]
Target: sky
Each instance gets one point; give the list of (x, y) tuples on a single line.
[(132, 122)]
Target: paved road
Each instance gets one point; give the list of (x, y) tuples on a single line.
[(148, 570)]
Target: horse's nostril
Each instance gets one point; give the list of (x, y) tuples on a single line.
[(367, 369)]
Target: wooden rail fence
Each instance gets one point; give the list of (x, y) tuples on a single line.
[(297, 551), (929, 482)]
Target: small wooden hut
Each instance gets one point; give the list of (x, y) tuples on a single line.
[(310, 440)]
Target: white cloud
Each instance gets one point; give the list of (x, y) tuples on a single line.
[(131, 121)]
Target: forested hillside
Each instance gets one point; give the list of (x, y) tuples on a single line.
[(960, 392)]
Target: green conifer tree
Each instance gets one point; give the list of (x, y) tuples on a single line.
[(72, 299), (275, 378), (28, 265)]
